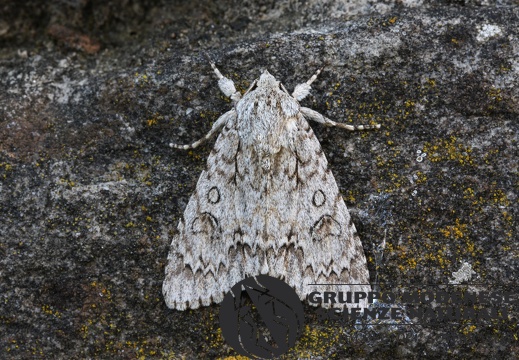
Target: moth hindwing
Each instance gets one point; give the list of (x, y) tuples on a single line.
[(267, 203)]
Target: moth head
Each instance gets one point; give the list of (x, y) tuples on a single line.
[(268, 81)]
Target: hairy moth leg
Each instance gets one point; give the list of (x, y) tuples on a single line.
[(217, 126)]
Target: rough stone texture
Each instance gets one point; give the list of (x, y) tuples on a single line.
[(92, 91)]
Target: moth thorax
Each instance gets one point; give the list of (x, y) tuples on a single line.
[(265, 163)]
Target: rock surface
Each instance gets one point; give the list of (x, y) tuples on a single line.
[(91, 93)]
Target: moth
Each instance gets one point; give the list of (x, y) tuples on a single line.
[(267, 203)]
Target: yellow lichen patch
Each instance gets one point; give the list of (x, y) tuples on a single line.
[(407, 261), (215, 338), (457, 231), (421, 177), (195, 155), (507, 217), (448, 150), (438, 258), (468, 193), (471, 247), (141, 79), (145, 177), (409, 103), (383, 161), (468, 329), (316, 342), (350, 197), (67, 182), (500, 198), (208, 327), (47, 309), (5, 168), (151, 122), (395, 182), (495, 94), (489, 156), (154, 120)]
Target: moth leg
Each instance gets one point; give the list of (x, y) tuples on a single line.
[(302, 90), (315, 116), (226, 85), (217, 126)]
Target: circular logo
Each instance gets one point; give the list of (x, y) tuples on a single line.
[(261, 317)]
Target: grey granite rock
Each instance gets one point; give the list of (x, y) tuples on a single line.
[(91, 93)]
